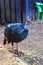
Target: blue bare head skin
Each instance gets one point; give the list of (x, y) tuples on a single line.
[(28, 22)]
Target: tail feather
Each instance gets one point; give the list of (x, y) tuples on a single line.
[(4, 42)]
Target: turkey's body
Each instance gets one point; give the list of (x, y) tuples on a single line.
[(15, 32)]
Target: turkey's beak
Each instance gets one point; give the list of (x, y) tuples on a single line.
[(29, 20)]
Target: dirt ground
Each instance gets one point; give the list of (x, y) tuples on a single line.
[(30, 49)]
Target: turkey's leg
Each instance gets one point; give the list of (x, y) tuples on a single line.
[(12, 46), (13, 49), (17, 48)]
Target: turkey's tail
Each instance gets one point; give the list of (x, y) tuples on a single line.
[(4, 42)]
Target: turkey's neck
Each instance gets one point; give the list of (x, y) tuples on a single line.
[(26, 25)]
